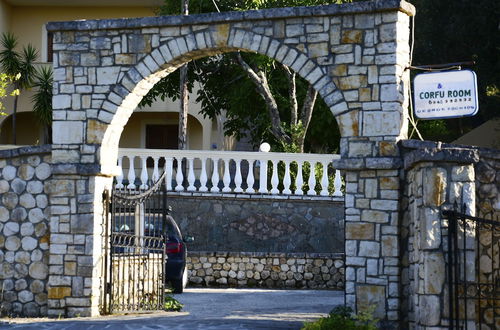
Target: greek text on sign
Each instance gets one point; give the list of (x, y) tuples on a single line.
[(449, 94)]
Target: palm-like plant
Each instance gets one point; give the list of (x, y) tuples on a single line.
[(42, 99), (17, 64)]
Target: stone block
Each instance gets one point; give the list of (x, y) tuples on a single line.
[(462, 173), (352, 36), (67, 132), (359, 231), (381, 123), (390, 246), (59, 292), (107, 75), (369, 249), (374, 216), (434, 186), (371, 295), (428, 314)]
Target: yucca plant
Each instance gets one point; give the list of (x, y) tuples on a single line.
[(19, 65), (42, 100)]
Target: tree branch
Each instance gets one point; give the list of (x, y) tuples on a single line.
[(306, 114), (262, 85), (292, 94)]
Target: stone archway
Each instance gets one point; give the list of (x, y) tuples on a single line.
[(355, 56)]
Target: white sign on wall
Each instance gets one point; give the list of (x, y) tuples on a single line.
[(449, 94)]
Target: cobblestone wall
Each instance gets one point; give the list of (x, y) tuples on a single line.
[(260, 223), (268, 270), (24, 230)]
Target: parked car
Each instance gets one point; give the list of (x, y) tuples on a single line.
[(176, 249)]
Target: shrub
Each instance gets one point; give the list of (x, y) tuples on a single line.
[(342, 317)]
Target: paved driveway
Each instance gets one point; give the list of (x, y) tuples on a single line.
[(212, 309)]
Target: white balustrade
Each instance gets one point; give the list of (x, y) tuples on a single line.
[(204, 171)]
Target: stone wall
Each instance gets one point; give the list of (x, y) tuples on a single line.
[(267, 270), (260, 223), (488, 184), (24, 230)]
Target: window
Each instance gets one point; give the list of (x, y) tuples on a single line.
[(50, 50)]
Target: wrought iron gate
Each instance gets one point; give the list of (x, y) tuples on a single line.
[(134, 245), (473, 271)]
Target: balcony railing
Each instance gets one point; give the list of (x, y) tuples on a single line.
[(230, 172)]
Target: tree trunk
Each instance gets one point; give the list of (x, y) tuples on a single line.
[(262, 85), (14, 124), (184, 96), (306, 115)]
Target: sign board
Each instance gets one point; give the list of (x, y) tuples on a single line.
[(450, 94)]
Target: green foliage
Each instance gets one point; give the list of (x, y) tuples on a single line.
[(20, 65), (172, 304), (5, 82), (14, 63), (42, 99), (342, 318), (454, 31), (226, 88)]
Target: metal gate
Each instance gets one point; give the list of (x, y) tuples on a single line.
[(134, 246), (473, 270)]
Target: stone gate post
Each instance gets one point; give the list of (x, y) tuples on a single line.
[(434, 180)]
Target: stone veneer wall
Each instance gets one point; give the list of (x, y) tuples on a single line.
[(260, 223), (24, 230), (267, 270)]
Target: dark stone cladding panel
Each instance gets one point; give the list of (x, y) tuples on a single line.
[(227, 17), (28, 150)]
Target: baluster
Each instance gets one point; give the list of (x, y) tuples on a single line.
[(131, 173), (144, 173), (203, 175), (263, 177), (191, 177), (286, 180), (250, 178), (237, 176), (169, 161), (337, 184), (215, 176), (227, 177), (312, 178), (299, 182), (274, 178), (156, 172), (179, 177), (119, 177), (324, 179)]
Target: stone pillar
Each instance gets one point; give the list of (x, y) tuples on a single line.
[(75, 242), (434, 181), (371, 246)]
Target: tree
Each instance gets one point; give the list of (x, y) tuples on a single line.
[(454, 31), (261, 106), (42, 100), (5, 83), (14, 64)]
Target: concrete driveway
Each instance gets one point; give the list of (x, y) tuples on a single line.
[(211, 309)]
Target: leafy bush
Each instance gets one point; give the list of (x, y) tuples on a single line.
[(342, 317), (172, 304)]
